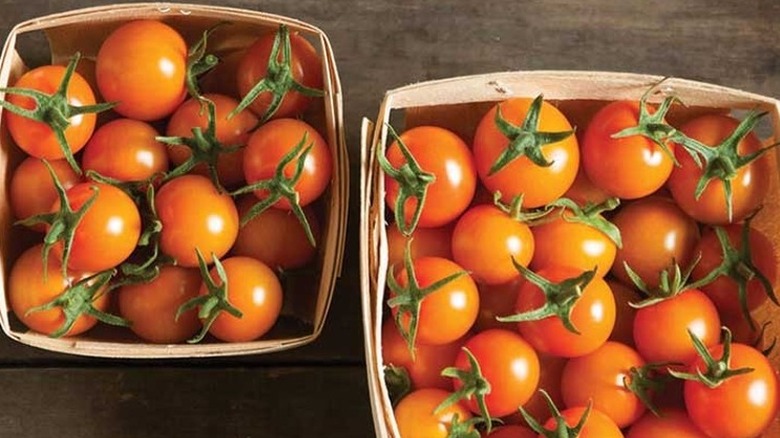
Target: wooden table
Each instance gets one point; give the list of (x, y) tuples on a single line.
[(320, 390)]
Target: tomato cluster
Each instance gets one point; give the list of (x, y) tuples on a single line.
[(612, 273), (180, 206)]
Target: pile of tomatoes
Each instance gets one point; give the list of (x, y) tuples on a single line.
[(548, 283), (180, 210)]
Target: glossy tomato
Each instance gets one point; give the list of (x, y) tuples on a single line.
[(275, 237), (142, 65), (597, 425), (603, 376), (151, 307), (37, 138), (425, 242), (550, 372), (305, 68), (140, 156), (252, 288), (444, 155), (673, 239), (107, 234), (229, 132), (671, 423), (195, 215), (583, 191), (485, 242), (627, 167), (749, 184), (32, 189), (508, 363), (270, 143), (425, 368), (593, 315), (539, 185), (417, 417), (27, 289)]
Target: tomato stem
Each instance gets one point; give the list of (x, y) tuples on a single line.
[(515, 209), (397, 382), (644, 380), (54, 110), (474, 385), (717, 370), (562, 429), (525, 140), (463, 429), (199, 62), (672, 282), (278, 80), (590, 215)]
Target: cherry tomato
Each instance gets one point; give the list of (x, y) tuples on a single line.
[(538, 185), (671, 423), (271, 142), (511, 431), (749, 186), (305, 67), (583, 191), (32, 189), (723, 291), (496, 300), (486, 240), (602, 376), (195, 215), (442, 153), (426, 242), (581, 246), (673, 239), (254, 289), (450, 311), (510, 366), (139, 157), (661, 330), (229, 132), (598, 424), (142, 65), (742, 406), (151, 307), (623, 331), (593, 316), (275, 237), (27, 289), (37, 138), (628, 167), (429, 361), (551, 369), (108, 232), (416, 416)]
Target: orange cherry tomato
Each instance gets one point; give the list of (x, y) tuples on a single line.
[(550, 371), (426, 242), (32, 189), (511, 431), (139, 157), (583, 191), (142, 65), (598, 424), (416, 417), (671, 423)]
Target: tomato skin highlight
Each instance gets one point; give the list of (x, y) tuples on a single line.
[(593, 315), (27, 289), (672, 423), (32, 189), (126, 150), (151, 307), (754, 396), (142, 66), (415, 415), (749, 186), (629, 167), (37, 138), (445, 155), (195, 215), (486, 240), (522, 176), (598, 424)]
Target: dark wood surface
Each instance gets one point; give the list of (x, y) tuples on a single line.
[(320, 389)]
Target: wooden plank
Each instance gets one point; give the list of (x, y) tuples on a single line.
[(180, 402)]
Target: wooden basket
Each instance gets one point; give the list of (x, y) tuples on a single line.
[(305, 308), (458, 104)]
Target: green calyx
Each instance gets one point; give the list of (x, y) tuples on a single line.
[(653, 126), (644, 381), (738, 265), (279, 186), (515, 209), (408, 299), (214, 302), (203, 145), (560, 298), (199, 62), (62, 223), (78, 300), (672, 282), (464, 429), (397, 382), (590, 215), (474, 385), (562, 429), (412, 180), (54, 110), (278, 79), (526, 139), (718, 370)]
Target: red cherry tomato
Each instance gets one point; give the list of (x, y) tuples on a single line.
[(139, 157)]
